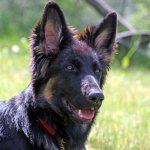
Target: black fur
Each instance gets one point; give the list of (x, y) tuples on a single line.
[(68, 70)]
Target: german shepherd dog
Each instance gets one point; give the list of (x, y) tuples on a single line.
[(68, 70)]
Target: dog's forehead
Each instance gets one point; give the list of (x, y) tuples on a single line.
[(81, 48), (80, 51)]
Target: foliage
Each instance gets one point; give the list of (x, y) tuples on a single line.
[(135, 11), (24, 14), (17, 17), (134, 44), (140, 19), (78, 12)]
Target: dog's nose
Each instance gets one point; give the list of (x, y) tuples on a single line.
[(96, 97)]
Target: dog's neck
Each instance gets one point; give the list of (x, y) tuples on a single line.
[(66, 129)]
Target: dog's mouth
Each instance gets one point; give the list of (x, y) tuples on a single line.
[(84, 115)]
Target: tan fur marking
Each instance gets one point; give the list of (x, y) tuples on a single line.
[(38, 49), (47, 92)]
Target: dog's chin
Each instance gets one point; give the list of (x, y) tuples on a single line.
[(79, 115)]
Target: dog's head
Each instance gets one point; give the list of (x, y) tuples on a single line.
[(69, 68)]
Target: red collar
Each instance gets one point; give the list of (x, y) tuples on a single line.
[(50, 130)]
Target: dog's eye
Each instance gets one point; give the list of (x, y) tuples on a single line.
[(96, 68), (70, 68)]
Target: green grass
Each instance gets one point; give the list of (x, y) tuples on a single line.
[(14, 67), (123, 122)]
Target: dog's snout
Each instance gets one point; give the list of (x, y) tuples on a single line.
[(91, 89), (96, 97)]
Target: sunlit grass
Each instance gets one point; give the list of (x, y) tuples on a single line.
[(123, 122), (14, 67)]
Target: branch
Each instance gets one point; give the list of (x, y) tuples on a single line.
[(102, 7), (145, 33)]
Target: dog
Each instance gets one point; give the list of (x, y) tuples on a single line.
[(68, 70)]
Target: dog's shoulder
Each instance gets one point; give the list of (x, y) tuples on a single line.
[(14, 140), (12, 120)]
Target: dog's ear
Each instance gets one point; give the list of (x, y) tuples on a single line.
[(101, 37), (51, 31), (105, 33)]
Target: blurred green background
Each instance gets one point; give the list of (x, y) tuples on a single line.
[(123, 122)]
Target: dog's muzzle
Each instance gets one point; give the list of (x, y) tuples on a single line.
[(92, 90)]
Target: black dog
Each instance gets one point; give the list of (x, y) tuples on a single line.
[(68, 70)]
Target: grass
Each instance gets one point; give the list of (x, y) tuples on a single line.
[(123, 122), (14, 66)]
